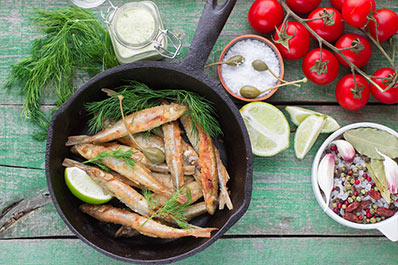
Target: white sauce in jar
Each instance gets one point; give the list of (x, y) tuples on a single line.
[(135, 25)]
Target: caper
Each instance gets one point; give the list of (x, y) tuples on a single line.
[(235, 60), (249, 91), (154, 154), (259, 65)]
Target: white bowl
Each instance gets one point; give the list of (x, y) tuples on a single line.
[(388, 227)]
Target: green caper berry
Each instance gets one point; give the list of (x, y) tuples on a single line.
[(249, 91), (363, 191), (378, 219), (372, 211), (259, 65), (359, 199), (354, 197), (350, 199), (352, 181), (373, 220), (334, 205), (344, 206)]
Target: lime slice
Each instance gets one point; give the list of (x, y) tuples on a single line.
[(307, 133), (268, 128), (297, 115), (84, 188)]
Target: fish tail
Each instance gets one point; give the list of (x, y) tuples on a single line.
[(225, 200), (78, 139), (201, 232)]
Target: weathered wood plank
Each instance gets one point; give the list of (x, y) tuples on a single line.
[(19, 33), (224, 251)]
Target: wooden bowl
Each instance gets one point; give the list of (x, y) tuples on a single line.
[(269, 44)]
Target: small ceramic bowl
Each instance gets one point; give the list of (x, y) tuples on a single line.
[(269, 44), (388, 227)]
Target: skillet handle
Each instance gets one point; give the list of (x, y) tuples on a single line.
[(209, 28)]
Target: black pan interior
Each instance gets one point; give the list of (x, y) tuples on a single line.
[(71, 118)]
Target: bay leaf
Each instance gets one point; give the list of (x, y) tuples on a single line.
[(376, 171), (366, 140)]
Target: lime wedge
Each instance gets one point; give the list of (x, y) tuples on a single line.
[(297, 115), (268, 128), (84, 188), (307, 133)]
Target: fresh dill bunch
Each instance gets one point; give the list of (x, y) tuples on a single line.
[(172, 209), (73, 41), (118, 154), (137, 96)]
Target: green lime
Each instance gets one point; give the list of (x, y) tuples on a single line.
[(267, 127), (84, 188), (307, 133), (298, 114)]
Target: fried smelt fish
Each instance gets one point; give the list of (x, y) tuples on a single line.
[(139, 174), (151, 228), (144, 140), (223, 178), (139, 121), (191, 134), (193, 211), (194, 188), (116, 187), (173, 148), (208, 165)]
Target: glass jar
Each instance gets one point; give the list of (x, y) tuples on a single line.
[(136, 30)]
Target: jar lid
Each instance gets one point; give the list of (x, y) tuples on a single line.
[(88, 3)]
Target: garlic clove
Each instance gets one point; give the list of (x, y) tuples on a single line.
[(325, 176), (345, 149), (391, 171)]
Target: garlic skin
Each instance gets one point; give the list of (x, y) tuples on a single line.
[(346, 150), (325, 176), (391, 171)]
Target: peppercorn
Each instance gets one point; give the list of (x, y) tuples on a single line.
[(375, 189), (350, 200), (339, 205), (349, 177), (378, 219), (383, 218), (343, 206), (365, 169), (374, 206), (356, 175), (348, 186), (344, 168), (343, 179), (357, 213), (350, 172), (357, 182), (334, 205), (373, 220), (363, 191), (352, 181), (354, 197), (360, 167), (355, 169), (349, 193), (336, 172), (359, 199), (342, 175), (336, 162), (368, 215), (338, 155), (362, 179), (372, 211)]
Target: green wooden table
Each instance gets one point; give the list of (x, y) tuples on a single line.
[(283, 224)]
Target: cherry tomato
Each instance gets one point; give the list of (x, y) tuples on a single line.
[(348, 96), (320, 72), (387, 21), (331, 27), (265, 15), (355, 12), (359, 55), (293, 41), (303, 6), (338, 4), (389, 96)]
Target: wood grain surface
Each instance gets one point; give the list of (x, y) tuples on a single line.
[(284, 223)]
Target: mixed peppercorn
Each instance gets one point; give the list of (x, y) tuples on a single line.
[(355, 196)]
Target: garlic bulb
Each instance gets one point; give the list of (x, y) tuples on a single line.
[(391, 171), (325, 176), (345, 149)]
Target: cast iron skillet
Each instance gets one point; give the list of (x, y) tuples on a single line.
[(70, 119)]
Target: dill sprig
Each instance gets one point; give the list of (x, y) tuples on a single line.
[(73, 41), (137, 96), (118, 154), (172, 209)]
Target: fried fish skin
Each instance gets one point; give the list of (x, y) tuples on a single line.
[(139, 121), (208, 168), (173, 148), (115, 186), (139, 174), (151, 228)]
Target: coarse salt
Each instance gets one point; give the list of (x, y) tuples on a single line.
[(235, 77)]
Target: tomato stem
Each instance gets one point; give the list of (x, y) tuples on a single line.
[(325, 16), (328, 44), (380, 47)]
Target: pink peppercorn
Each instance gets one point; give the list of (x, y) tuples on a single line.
[(333, 148), (367, 210), (365, 175), (355, 193), (335, 210), (368, 215), (357, 181), (339, 205), (360, 217), (350, 172), (346, 202), (369, 179)]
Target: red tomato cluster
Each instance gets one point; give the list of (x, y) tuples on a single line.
[(322, 66)]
